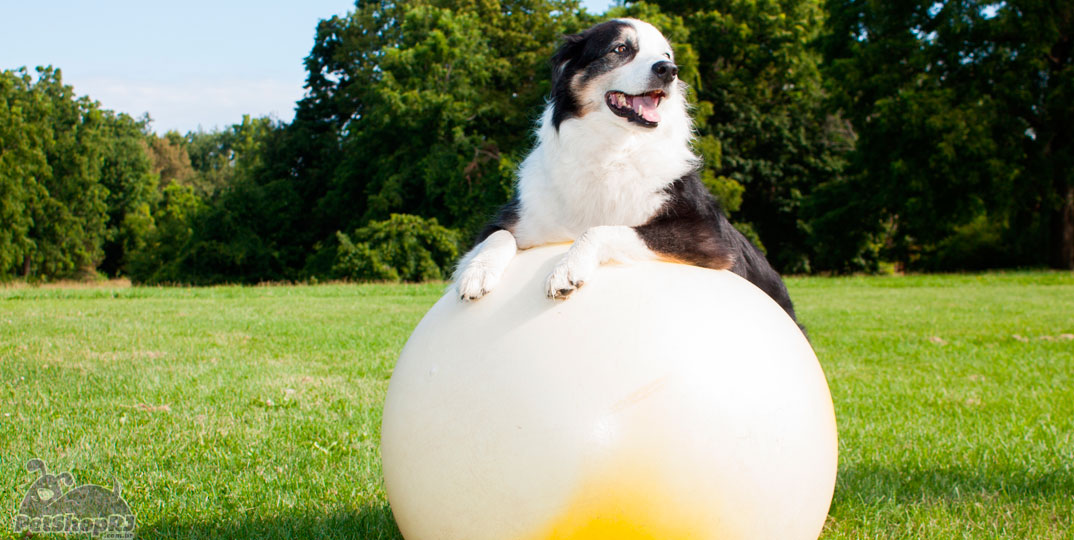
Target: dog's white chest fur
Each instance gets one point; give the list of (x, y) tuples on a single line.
[(578, 178)]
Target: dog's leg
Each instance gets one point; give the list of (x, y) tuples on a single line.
[(596, 246), (481, 268)]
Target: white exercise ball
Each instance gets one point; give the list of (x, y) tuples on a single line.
[(659, 401)]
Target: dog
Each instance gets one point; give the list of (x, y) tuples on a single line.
[(613, 172)]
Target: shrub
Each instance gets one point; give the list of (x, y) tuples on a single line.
[(401, 248)]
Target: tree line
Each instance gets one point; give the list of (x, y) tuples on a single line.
[(841, 136)]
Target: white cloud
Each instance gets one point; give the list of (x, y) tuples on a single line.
[(188, 104)]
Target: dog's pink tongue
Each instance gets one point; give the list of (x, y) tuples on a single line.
[(645, 106)]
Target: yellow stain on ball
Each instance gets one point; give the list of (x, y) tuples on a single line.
[(627, 501), (660, 401)]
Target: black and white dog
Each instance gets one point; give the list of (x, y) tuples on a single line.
[(614, 173)]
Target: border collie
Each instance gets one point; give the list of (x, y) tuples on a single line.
[(613, 173)]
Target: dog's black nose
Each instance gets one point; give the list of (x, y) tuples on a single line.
[(665, 70)]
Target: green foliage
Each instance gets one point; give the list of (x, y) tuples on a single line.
[(55, 206), (159, 258), (401, 248), (976, 245), (232, 221), (963, 113), (750, 233), (844, 229), (937, 135), (423, 108), (726, 190), (77, 192), (762, 129), (22, 162), (127, 177), (432, 104)]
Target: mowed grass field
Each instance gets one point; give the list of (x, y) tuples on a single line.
[(254, 412)]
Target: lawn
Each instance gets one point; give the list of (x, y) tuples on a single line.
[(253, 412)]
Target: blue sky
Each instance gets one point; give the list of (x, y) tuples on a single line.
[(190, 64)]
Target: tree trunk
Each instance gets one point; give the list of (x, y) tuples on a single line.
[(25, 266), (1065, 236)]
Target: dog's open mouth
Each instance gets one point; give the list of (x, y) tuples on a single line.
[(640, 109)]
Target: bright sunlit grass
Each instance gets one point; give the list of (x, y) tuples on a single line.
[(254, 412)]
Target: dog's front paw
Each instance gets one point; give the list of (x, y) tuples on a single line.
[(476, 281), (569, 274)]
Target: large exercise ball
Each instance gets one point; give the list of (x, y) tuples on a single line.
[(660, 401)]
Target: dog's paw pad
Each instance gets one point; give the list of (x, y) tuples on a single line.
[(471, 296), (475, 282), (562, 293), (561, 283)]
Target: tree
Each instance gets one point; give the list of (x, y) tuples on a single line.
[(131, 189), (420, 108), (246, 230), (963, 112), (171, 161), (211, 156), (160, 258), (433, 103), (401, 248), (762, 126), (22, 162), (53, 181)]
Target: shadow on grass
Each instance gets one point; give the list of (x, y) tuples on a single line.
[(368, 523), (873, 484), (857, 484)]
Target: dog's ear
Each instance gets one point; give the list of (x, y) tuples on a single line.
[(571, 48), (565, 105)]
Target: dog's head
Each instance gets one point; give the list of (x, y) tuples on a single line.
[(621, 70)]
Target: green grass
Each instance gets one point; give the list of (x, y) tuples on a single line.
[(254, 412), (954, 400)]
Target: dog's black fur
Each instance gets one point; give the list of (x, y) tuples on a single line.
[(692, 228), (585, 53)]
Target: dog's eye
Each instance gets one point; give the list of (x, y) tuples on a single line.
[(667, 55), (620, 49)]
